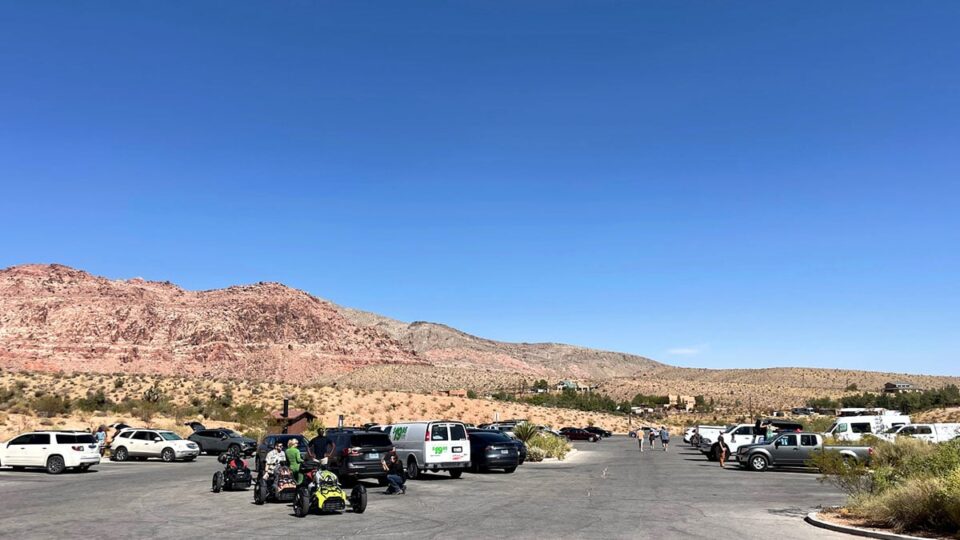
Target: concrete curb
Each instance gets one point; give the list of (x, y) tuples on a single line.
[(813, 519)]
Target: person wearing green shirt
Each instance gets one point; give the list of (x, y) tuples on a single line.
[(294, 459)]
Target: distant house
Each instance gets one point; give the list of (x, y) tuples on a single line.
[(898, 387), (567, 384), (293, 421), (459, 392)]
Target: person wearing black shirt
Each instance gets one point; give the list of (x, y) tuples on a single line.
[(322, 448), (395, 474)]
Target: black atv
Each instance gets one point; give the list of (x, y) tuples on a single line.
[(280, 487), (235, 474)]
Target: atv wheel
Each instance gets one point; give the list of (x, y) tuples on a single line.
[(258, 494), (509, 470), (121, 454), (55, 465), (413, 470), (301, 503), (168, 455), (218, 482), (358, 499), (758, 463), (456, 473)]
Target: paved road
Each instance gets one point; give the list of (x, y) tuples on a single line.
[(607, 490)]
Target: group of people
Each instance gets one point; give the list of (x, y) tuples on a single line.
[(662, 434), (321, 448)]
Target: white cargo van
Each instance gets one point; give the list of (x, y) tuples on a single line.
[(852, 428), (934, 433), (437, 445)]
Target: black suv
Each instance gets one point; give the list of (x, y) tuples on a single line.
[(217, 440), (358, 453)]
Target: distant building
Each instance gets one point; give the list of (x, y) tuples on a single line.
[(293, 421), (898, 387), (567, 384)]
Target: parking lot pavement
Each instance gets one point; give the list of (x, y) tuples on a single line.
[(605, 490)]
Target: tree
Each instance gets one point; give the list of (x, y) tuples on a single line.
[(852, 387), (542, 384)]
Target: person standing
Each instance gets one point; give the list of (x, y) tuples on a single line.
[(724, 450), (101, 437), (640, 438), (395, 474), (294, 459), (321, 448), (653, 438), (664, 437)]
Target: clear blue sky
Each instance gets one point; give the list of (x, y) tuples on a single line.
[(716, 184)]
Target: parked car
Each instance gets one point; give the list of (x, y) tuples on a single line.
[(144, 443), (598, 431), (268, 441), (852, 428), (738, 435), (706, 432), (436, 445), (358, 454), (55, 451), (521, 446), (934, 433), (218, 440), (577, 434), (493, 450), (794, 450)]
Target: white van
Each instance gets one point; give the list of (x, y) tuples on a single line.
[(437, 445), (934, 433), (852, 428)]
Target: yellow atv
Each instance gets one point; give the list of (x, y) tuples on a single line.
[(322, 491)]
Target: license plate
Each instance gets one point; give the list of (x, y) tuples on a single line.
[(504, 451), (373, 455), (457, 449)]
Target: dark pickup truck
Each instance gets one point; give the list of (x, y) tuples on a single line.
[(794, 450)]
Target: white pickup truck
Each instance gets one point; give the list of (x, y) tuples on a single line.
[(739, 435), (934, 433)]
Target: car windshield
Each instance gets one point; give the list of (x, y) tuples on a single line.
[(170, 436), (232, 433), (892, 430)]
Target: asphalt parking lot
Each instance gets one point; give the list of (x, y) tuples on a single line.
[(606, 490)]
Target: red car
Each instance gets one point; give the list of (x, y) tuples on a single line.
[(577, 434)]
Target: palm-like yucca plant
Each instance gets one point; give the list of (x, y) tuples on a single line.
[(525, 431)]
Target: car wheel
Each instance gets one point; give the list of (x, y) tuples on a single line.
[(594, 439), (413, 470), (456, 473), (234, 448), (758, 462), (55, 465), (168, 455), (509, 470), (120, 454), (358, 499), (217, 482)]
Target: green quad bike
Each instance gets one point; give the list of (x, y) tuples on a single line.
[(322, 492)]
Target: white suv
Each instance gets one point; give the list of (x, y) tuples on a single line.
[(55, 451), (140, 443)]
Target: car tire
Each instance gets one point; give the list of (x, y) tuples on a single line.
[(413, 470), (456, 473), (55, 464), (120, 454), (217, 482), (358, 499), (758, 463), (594, 439), (234, 448), (168, 455), (509, 470)]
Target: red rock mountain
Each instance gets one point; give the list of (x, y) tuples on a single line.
[(54, 318)]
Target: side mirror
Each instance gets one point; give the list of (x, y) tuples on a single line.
[(776, 444), (223, 437), (157, 439)]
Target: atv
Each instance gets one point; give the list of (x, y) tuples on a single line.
[(234, 476), (281, 487), (321, 491)]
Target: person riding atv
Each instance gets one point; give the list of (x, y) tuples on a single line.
[(235, 474), (275, 480), (321, 490)]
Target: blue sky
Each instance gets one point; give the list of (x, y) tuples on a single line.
[(714, 184)]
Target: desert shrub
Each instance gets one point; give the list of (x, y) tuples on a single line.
[(153, 395), (525, 431), (552, 446), (535, 454), (94, 401), (852, 478), (50, 405), (951, 497), (917, 503)]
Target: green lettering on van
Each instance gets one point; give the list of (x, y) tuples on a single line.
[(437, 450), (399, 433)]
